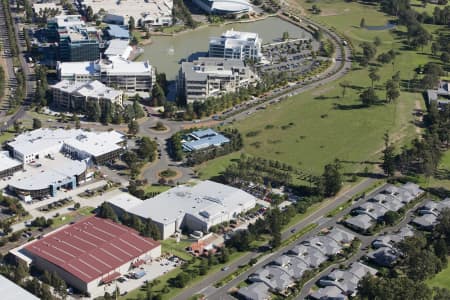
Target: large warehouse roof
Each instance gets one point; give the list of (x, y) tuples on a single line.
[(205, 200), (11, 291), (92, 247)]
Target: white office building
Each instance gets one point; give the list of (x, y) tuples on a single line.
[(212, 77), (99, 146), (193, 207), (237, 45), (130, 76), (75, 95), (145, 12)]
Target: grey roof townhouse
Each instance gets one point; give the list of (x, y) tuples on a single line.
[(292, 265), (309, 255), (276, 279), (390, 239), (347, 280), (429, 213), (360, 222), (373, 210), (383, 256), (341, 283), (390, 198), (388, 201), (425, 222), (324, 244), (341, 236), (254, 291), (328, 293)]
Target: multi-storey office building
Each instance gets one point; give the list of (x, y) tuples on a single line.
[(212, 77), (236, 45)]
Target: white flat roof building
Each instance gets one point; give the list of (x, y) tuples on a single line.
[(11, 291), (8, 165), (151, 12), (237, 45), (38, 143), (40, 176), (225, 7), (116, 71), (196, 207), (118, 47)]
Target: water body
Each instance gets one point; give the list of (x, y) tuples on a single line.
[(388, 26), (166, 52)]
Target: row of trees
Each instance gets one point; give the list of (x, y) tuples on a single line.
[(106, 113), (146, 228)]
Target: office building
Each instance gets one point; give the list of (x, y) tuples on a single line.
[(193, 207), (236, 45), (76, 95), (76, 41), (8, 165), (202, 139), (149, 13), (225, 7), (117, 72), (212, 77)]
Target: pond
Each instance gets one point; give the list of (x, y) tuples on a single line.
[(166, 52), (387, 26)]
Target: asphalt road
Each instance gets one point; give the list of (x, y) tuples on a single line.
[(28, 73), (206, 286)]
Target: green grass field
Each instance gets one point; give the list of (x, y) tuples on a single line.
[(320, 132), (156, 188), (442, 279)]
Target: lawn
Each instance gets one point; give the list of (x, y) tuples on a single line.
[(216, 166), (442, 279), (69, 217), (310, 131), (171, 246), (6, 136), (156, 188)]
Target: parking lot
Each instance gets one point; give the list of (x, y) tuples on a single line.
[(152, 270)]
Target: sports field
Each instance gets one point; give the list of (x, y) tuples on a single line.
[(312, 129)]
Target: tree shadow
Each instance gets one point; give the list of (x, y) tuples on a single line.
[(339, 106), (366, 175), (439, 191)]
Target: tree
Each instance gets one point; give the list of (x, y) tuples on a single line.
[(332, 179), (77, 121), (158, 95), (147, 149), (89, 14), (369, 50), (445, 57), (373, 75), (388, 157), (377, 41), (37, 123), (21, 272), (392, 90), (181, 280), (105, 211), (131, 23), (368, 97), (285, 36), (391, 217), (133, 127), (362, 23)]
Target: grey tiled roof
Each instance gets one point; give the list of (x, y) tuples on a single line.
[(383, 256), (255, 291)]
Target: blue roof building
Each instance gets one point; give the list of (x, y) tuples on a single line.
[(118, 32), (201, 139)]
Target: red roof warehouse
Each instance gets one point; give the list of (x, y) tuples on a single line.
[(88, 252)]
